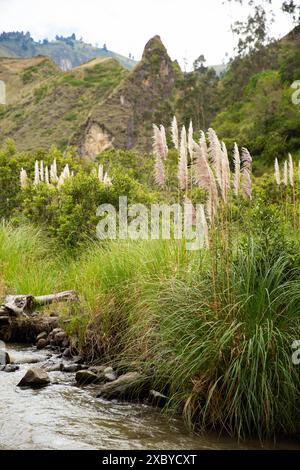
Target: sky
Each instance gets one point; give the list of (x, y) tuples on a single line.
[(188, 28)]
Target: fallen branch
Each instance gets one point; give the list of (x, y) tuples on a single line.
[(15, 305)]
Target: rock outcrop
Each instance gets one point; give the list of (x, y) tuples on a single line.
[(125, 118)]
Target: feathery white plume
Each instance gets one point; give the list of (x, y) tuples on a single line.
[(100, 173), (41, 170), (47, 175), (66, 171), (203, 226), (182, 164), (36, 173), (174, 133), (237, 169), (225, 172), (23, 179), (246, 172), (164, 141), (190, 139), (291, 170), (159, 144), (61, 180), (215, 154), (285, 173), (277, 172), (205, 179), (106, 180), (203, 143), (159, 171), (53, 172)]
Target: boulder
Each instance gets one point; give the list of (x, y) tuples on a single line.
[(42, 343), (35, 377), (67, 352), (98, 370), (65, 343), (86, 377), (60, 338), (4, 358), (43, 335), (104, 374), (54, 332), (130, 385), (109, 374)]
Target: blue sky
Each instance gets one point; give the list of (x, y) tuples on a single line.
[(188, 28)]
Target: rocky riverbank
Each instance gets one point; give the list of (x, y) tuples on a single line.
[(48, 335)]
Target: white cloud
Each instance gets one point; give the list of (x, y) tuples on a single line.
[(187, 27)]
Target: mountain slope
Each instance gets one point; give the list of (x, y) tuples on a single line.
[(256, 95), (95, 106), (52, 105), (67, 53)]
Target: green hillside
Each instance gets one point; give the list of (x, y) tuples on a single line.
[(256, 99), (100, 104), (48, 105)]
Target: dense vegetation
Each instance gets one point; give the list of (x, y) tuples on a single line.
[(212, 329)]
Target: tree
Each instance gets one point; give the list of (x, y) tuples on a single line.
[(254, 32), (198, 64)]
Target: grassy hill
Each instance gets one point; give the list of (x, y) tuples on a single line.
[(94, 106), (47, 105), (66, 52)]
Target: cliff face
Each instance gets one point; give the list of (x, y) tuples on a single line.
[(124, 119)]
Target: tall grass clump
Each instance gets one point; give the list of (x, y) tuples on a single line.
[(28, 263), (108, 278), (223, 356)]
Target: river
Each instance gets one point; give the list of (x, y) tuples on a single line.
[(65, 416)]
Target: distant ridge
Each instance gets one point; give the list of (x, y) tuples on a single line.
[(66, 52)]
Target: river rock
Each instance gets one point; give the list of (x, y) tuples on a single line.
[(42, 343), (54, 367), (59, 338), (5, 358), (67, 352), (65, 343), (35, 377), (9, 368), (71, 368), (130, 385), (85, 377), (98, 370), (77, 359), (109, 374), (42, 335)]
